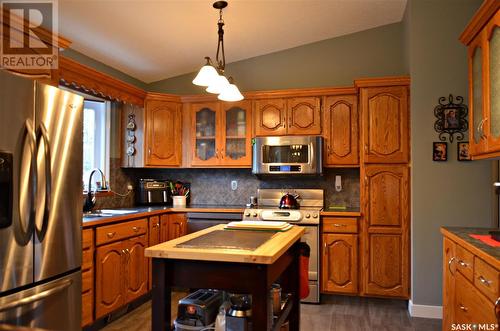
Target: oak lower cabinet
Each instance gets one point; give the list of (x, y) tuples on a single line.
[(163, 132), (288, 116), (471, 290), (341, 130), (385, 232), (87, 276), (154, 239), (177, 226), (121, 267), (339, 258), (385, 124)]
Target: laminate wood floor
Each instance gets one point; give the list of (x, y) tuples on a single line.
[(336, 313)]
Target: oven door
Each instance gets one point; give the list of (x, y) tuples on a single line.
[(200, 221)]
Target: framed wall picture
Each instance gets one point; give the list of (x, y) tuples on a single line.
[(463, 151), (439, 151)]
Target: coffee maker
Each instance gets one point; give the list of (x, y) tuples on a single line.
[(154, 192)]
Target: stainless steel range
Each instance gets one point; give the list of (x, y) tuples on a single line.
[(311, 203)]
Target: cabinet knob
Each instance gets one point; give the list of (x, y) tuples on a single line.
[(136, 229), (463, 264), (337, 225), (463, 308), (111, 234)]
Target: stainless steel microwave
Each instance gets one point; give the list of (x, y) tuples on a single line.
[(287, 155)]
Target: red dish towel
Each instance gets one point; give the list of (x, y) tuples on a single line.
[(486, 238)]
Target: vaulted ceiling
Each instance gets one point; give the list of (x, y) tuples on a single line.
[(154, 40)]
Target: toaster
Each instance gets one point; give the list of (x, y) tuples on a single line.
[(200, 308), (154, 192)]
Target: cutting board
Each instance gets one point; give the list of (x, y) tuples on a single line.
[(245, 240)]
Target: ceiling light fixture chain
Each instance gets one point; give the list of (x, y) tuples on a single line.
[(211, 74)]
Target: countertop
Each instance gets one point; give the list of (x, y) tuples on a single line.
[(155, 210), (267, 253), (461, 235)]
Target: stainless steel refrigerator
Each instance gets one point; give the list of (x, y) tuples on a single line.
[(40, 204)]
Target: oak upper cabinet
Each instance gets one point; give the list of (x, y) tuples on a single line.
[(292, 116), (163, 133), (177, 226), (482, 37), (340, 263), (385, 123), (270, 117), (341, 130), (109, 278), (385, 234), (222, 134), (304, 116)]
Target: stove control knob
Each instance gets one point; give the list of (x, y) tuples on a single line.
[(254, 214), (247, 214), (308, 215), (315, 215)]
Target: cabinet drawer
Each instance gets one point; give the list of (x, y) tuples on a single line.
[(87, 277), (486, 279), (87, 308), (340, 224), (470, 305), (87, 239), (465, 262), (87, 259), (110, 233)]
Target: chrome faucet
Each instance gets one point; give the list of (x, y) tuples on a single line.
[(90, 200)]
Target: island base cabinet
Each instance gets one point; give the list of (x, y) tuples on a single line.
[(121, 275), (471, 307)]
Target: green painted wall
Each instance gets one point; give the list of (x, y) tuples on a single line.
[(449, 193), (333, 62), (99, 66)]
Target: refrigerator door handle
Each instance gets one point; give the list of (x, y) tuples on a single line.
[(42, 135), (30, 183), (58, 287)]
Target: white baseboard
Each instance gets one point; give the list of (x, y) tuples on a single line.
[(425, 311)]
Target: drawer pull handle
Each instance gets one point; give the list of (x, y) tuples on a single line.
[(463, 308), (337, 225), (484, 281), (463, 264), (449, 265), (136, 229), (111, 234)]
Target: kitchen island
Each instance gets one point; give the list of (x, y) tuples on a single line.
[(229, 269)]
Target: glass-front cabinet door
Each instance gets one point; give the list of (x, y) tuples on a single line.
[(205, 129), (236, 134), (493, 79)]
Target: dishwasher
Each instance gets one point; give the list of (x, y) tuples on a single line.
[(200, 221)]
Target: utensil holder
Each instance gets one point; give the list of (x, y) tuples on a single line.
[(179, 201)]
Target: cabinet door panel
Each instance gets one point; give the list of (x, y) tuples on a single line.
[(471, 306), (385, 124), (448, 283), (476, 79), (385, 231), (270, 117), (341, 130), (109, 278), (177, 226), (492, 78), (163, 133), (136, 268), (304, 116), (154, 239), (236, 146), (339, 263), (206, 127), (164, 227), (386, 274)]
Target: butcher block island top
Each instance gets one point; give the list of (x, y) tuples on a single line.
[(267, 253)]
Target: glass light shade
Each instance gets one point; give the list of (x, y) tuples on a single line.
[(206, 76), (230, 93), (218, 85)]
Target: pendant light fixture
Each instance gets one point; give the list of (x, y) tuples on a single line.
[(212, 76)]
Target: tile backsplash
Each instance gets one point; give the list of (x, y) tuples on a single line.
[(213, 186)]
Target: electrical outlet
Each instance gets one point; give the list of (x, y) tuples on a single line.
[(130, 187), (234, 185)]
